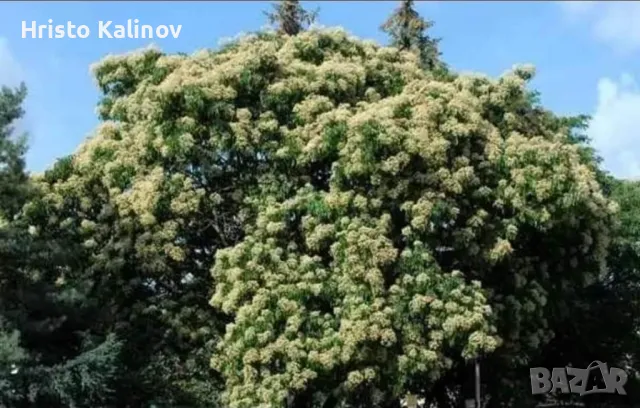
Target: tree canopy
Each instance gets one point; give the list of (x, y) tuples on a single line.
[(355, 186), (406, 224)]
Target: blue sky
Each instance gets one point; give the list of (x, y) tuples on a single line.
[(586, 55)]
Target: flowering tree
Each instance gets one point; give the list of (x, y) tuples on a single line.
[(404, 224), (361, 227)]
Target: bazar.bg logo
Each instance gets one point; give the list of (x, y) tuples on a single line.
[(584, 381)]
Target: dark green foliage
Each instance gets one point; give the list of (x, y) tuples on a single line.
[(48, 355), (290, 17), (408, 31), (598, 322), (12, 176)]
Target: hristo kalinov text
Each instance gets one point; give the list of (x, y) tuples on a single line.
[(103, 29)]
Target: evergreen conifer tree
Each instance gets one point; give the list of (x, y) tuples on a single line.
[(48, 355), (408, 31), (290, 17)]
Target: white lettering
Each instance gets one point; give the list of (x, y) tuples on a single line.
[(41, 29), (70, 28), (135, 28), (120, 31), (103, 29), (147, 31), (83, 31), (60, 32), (25, 29), (50, 28), (175, 32), (106, 29), (166, 31)]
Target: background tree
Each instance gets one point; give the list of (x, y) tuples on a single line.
[(605, 322), (600, 320), (47, 358), (408, 31), (290, 17), (13, 179)]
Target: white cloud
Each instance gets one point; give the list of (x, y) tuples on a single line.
[(10, 70), (615, 125), (615, 23)]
